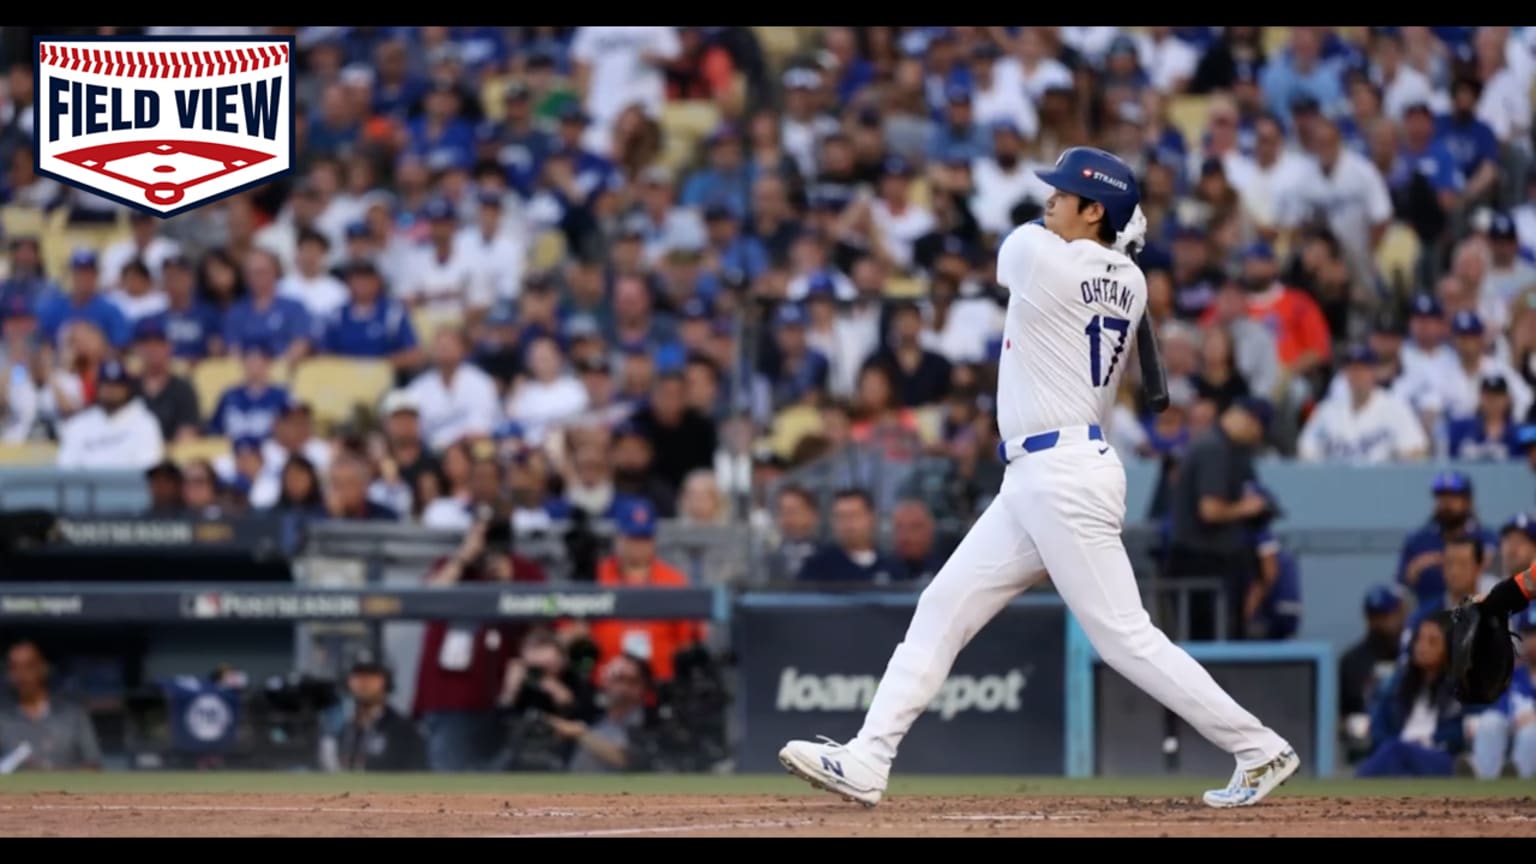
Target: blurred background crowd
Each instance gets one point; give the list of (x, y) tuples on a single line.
[(706, 274)]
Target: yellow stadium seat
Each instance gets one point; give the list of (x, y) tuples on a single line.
[(209, 448), (426, 322), (1187, 114), (20, 221), (335, 387), (548, 251), (29, 453), (902, 288), (779, 43), (491, 101), (689, 120), (920, 193), (1275, 40)]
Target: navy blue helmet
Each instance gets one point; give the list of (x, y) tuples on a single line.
[(1097, 175)]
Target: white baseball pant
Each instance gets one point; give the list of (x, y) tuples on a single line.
[(1059, 512)]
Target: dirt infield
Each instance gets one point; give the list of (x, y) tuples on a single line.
[(62, 814)]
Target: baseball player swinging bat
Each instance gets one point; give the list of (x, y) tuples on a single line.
[(1075, 297)]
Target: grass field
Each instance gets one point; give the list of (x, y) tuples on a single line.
[(536, 805)]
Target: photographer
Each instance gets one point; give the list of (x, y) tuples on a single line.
[(463, 663), (609, 743), (542, 683)]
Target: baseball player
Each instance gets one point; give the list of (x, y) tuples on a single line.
[(1075, 298)]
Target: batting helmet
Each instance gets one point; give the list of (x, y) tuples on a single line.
[(1097, 175)]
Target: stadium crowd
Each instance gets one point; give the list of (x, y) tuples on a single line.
[(631, 273)]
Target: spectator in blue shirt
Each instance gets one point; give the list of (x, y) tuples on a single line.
[(959, 138), (853, 557), (1419, 565), (1416, 723), (1470, 141), (1491, 434), (250, 409), (595, 175), (738, 254), (1299, 72), (516, 143), (281, 323), (370, 324), (727, 178), (83, 302), (395, 89), (1424, 155), (191, 325), (439, 131), (26, 277), (796, 373), (480, 48)]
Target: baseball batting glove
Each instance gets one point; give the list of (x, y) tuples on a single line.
[(1134, 236), (1482, 652)]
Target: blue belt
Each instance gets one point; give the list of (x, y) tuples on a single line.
[(1045, 441)]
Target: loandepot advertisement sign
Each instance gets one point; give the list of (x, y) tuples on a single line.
[(164, 124), (809, 670)]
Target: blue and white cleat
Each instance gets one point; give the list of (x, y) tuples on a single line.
[(1250, 786), (834, 768)]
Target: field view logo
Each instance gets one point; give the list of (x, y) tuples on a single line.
[(166, 124)]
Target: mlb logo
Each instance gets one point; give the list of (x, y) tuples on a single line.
[(164, 124), (205, 606)]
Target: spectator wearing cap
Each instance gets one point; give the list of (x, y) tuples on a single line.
[(1194, 275), (635, 564), (1517, 544), (440, 278), (794, 372), (456, 399), (249, 409), (168, 396), (805, 122), (281, 324), (496, 245), (634, 474), (547, 395), (374, 736), (311, 282), (136, 295), (593, 178), (191, 325), (1368, 664), (143, 243), (1471, 140), (921, 377), (737, 253), (1428, 356), (995, 98), (1303, 342), (518, 143), (1474, 363), (369, 323), (1505, 734), (958, 136), (83, 302), (1508, 274), (1344, 190), (115, 432), (405, 457), (1213, 500), (1002, 179), (1491, 434), (681, 438), (1369, 425), (1422, 555), (615, 67), (725, 177), (1423, 179)]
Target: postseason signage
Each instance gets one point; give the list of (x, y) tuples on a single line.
[(810, 666), (163, 603)]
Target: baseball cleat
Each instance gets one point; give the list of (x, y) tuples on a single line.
[(1251, 785), (834, 768)]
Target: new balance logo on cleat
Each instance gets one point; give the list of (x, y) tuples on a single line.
[(834, 767)]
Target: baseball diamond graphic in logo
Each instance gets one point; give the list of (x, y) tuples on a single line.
[(164, 124)]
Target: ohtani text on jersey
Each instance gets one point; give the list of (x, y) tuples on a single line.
[(1105, 290)]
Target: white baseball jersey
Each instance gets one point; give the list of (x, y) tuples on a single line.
[(467, 406), (129, 439), (446, 286), (1068, 332), (1383, 430)]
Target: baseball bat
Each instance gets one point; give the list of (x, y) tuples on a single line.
[(1154, 379)]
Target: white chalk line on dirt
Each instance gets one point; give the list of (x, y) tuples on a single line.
[(736, 825), (557, 812)]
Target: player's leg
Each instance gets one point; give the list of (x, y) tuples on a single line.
[(1524, 751), (993, 563), (1075, 515), (1490, 744)]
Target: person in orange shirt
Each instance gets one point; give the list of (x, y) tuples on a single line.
[(1302, 339), (633, 564)]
